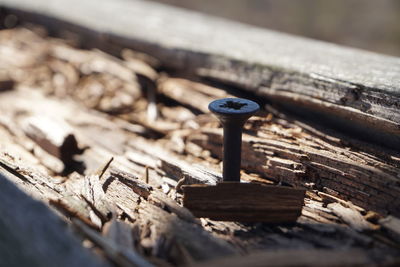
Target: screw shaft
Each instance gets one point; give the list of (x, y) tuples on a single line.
[(232, 152)]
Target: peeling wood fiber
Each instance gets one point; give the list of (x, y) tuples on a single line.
[(354, 90)]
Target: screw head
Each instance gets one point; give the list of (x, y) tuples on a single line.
[(233, 110)]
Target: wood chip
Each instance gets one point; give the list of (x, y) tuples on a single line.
[(55, 136), (351, 217)]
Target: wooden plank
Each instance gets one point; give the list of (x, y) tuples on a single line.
[(293, 257), (355, 90), (283, 151), (244, 202), (31, 234), (155, 224)]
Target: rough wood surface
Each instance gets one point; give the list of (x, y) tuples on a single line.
[(32, 235), (122, 253), (316, 161), (54, 136), (355, 90), (295, 258), (244, 202), (122, 194)]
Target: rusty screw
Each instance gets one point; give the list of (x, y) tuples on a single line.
[(232, 113)]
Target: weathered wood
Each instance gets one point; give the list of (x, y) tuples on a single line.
[(119, 254), (31, 234), (93, 194), (41, 185), (392, 225), (341, 84), (163, 201), (68, 199), (141, 204), (326, 160), (351, 217), (137, 186), (74, 207), (244, 202), (314, 257), (127, 202), (289, 153), (53, 163), (174, 226), (175, 167), (195, 95), (168, 232), (282, 151), (53, 135)]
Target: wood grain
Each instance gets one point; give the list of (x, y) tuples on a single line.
[(353, 90), (316, 257), (292, 156), (130, 209), (31, 234), (244, 202)]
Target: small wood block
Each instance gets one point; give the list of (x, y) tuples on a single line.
[(52, 135), (244, 202)]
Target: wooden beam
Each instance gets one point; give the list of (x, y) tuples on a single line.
[(32, 235), (293, 257), (355, 90), (143, 193)]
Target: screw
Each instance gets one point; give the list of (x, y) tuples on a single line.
[(232, 113)]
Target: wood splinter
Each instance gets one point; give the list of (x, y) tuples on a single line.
[(231, 200), (53, 136)]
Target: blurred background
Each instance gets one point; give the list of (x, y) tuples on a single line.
[(367, 24)]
